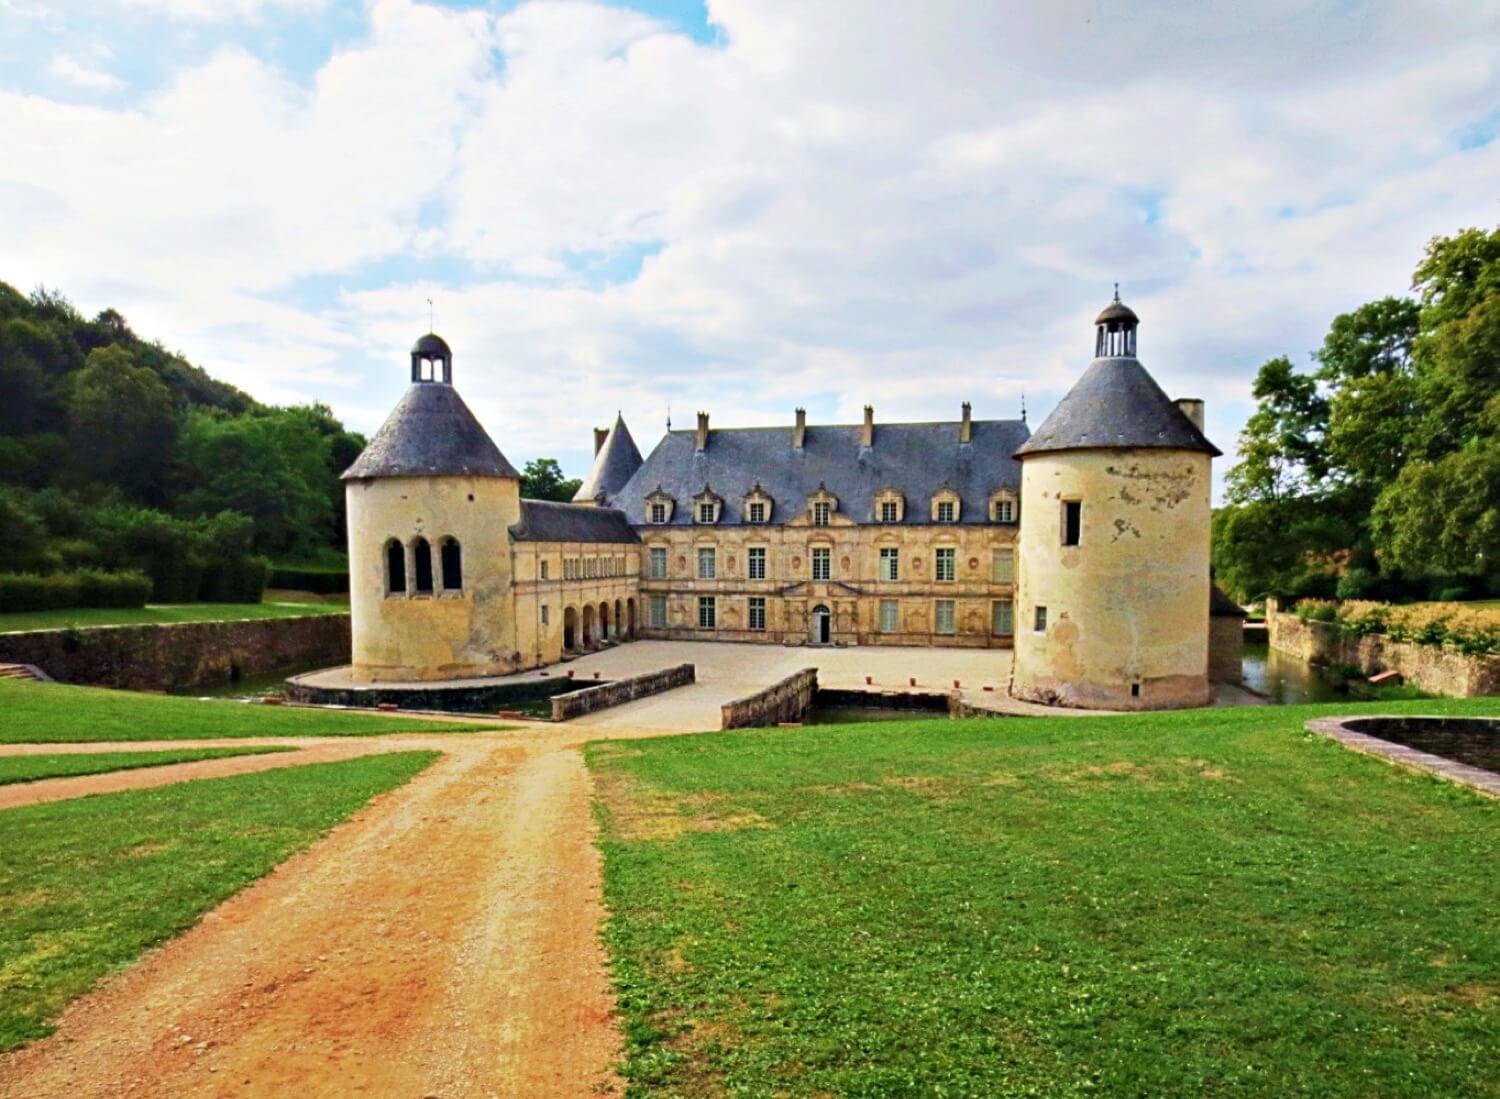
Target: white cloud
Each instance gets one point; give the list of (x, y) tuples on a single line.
[(839, 202), (215, 11), (85, 72)]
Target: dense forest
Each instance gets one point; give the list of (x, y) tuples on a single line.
[(1374, 473), (116, 454)]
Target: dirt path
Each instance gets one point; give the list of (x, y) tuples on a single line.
[(443, 942)]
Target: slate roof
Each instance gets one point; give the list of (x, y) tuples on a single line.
[(1116, 404), (617, 459), (550, 521), (430, 432), (431, 344), (1221, 606), (915, 459)]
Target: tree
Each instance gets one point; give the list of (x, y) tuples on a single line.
[(1281, 448), (1374, 409), (1443, 517), (542, 479), (121, 423)]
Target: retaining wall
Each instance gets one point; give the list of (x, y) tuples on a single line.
[(1435, 669), (178, 655), (788, 700), (620, 691)]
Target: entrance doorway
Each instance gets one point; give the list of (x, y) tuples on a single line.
[(822, 625)]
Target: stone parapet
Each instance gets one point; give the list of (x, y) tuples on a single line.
[(1436, 669), (620, 691), (786, 700)]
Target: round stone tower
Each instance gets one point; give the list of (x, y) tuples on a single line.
[(1113, 587), (430, 503)]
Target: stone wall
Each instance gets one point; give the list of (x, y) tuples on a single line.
[(788, 700), (180, 655), (1435, 669), (1226, 649), (620, 691)]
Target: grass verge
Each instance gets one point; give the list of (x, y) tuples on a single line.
[(51, 713), (156, 614), (1202, 903), (34, 768), (87, 885)]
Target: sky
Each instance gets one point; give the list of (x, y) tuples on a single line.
[(739, 206)]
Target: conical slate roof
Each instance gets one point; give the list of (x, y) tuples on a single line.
[(1116, 404), (616, 462), (430, 433)]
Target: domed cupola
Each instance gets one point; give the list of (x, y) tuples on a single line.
[(1115, 330), (432, 360)]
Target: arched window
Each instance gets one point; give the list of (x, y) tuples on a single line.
[(422, 559), (395, 568), (453, 567)]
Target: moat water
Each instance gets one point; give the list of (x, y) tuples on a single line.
[(1284, 678)]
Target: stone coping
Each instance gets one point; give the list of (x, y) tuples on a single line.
[(1336, 728)]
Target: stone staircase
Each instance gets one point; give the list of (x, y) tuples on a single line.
[(24, 671)]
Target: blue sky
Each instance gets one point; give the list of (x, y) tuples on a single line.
[(741, 206)]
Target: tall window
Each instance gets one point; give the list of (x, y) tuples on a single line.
[(890, 563), (707, 612), (757, 614), (657, 610), (947, 563), (888, 512), (658, 562), (705, 513), (822, 563), (821, 513), (707, 564), (1005, 511), (756, 562), (395, 568), (946, 511), (658, 513), (544, 570), (453, 565), (890, 616), (1001, 613), (758, 511), (546, 615), (1003, 568), (1072, 522), (422, 556), (1039, 622), (942, 616)]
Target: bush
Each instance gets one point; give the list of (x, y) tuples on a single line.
[(1316, 610), (235, 580), (64, 590), (1355, 584), (1469, 629), (319, 581)]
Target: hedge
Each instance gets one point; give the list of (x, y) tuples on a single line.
[(1468, 628), (64, 590), (329, 581), (235, 580)]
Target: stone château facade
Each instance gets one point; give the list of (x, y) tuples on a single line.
[(1084, 547)]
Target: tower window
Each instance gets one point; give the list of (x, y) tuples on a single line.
[(422, 557), (1072, 522), (395, 568), (453, 565), (1039, 624)]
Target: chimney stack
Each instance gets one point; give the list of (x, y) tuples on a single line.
[(1192, 408), (701, 442), (867, 437), (600, 434), (799, 433), (966, 427)]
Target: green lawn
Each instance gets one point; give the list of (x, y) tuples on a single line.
[(87, 885), (158, 613), (32, 768), (1204, 903), (51, 713)]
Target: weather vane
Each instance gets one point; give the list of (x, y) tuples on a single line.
[(429, 314)]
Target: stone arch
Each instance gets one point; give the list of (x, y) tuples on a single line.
[(451, 560), (421, 556), (395, 567), (570, 629), (604, 634), (590, 635), (630, 618), (619, 621)]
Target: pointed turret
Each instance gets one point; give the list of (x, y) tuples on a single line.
[(615, 462)]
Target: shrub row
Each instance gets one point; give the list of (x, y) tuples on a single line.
[(64, 590), (1466, 627), (329, 581)]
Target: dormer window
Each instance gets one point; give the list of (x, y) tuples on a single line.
[(707, 507), (890, 506), (821, 513), (757, 505), (1003, 506), (821, 505), (945, 507), (659, 507)]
